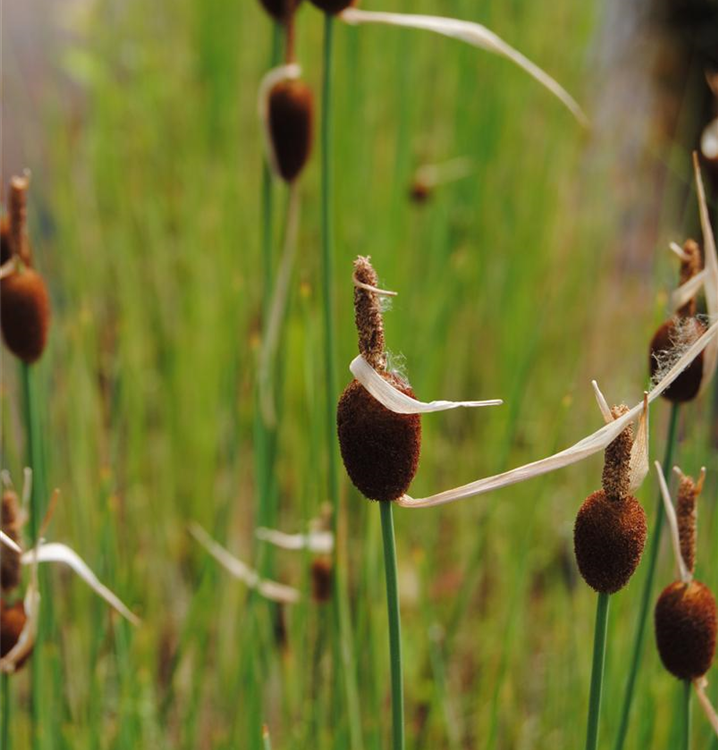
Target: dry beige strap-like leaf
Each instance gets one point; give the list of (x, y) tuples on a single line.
[(474, 34), (60, 553), (10, 543), (272, 590), (686, 292), (590, 445), (396, 401), (683, 571), (319, 542), (700, 686)]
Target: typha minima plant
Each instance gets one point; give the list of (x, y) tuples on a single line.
[(673, 337), (20, 618), (685, 618), (609, 536), (380, 447)]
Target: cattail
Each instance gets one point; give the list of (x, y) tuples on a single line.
[(290, 125), (680, 330), (379, 447), (610, 530), (5, 241), (280, 10), (11, 523), (25, 311), (333, 6), (685, 622), (688, 492), (322, 579), (12, 622)]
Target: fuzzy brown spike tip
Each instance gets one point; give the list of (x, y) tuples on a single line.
[(686, 515), (685, 624), (616, 479), (609, 537), (368, 316)]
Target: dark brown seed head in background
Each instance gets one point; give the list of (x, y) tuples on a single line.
[(291, 126), (12, 621), (280, 10), (685, 624), (608, 540), (322, 579), (333, 6), (5, 241), (25, 314), (11, 524), (688, 330)]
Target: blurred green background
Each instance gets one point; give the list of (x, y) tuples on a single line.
[(543, 269)]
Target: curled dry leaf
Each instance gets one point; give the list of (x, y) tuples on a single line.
[(684, 572)]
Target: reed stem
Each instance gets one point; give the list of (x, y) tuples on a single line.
[(599, 660), (647, 593), (34, 460), (5, 730), (686, 705), (392, 600)]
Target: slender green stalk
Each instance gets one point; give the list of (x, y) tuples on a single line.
[(647, 593), (686, 705), (5, 730), (392, 601), (266, 739), (34, 460), (599, 660), (343, 647)]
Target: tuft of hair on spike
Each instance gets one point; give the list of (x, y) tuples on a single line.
[(25, 313), (12, 622), (379, 447), (11, 524), (291, 126), (685, 625), (280, 10), (322, 579), (333, 7), (609, 537)]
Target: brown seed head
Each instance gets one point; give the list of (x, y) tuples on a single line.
[(685, 623), (333, 6), (688, 493), (291, 115), (25, 314), (686, 386), (280, 10), (12, 621), (419, 192), (5, 241), (380, 448), (10, 521), (616, 479), (322, 579), (368, 316), (608, 540)]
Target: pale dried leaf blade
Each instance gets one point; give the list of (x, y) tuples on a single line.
[(318, 542), (700, 686), (603, 406), (474, 34), (277, 592), (590, 445), (686, 292), (639, 451), (61, 553), (710, 358), (672, 525), (8, 542), (398, 402)]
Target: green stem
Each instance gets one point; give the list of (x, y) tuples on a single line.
[(34, 460), (5, 731), (392, 600), (599, 660), (686, 744), (647, 593)]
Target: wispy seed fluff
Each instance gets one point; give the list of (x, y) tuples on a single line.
[(610, 530), (379, 447), (679, 331)]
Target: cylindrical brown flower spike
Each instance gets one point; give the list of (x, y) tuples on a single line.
[(610, 530), (685, 622), (24, 301), (12, 621), (280, 10), (291, 126), (682, 328), (380, 448), (10, 522), (333, 6)]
